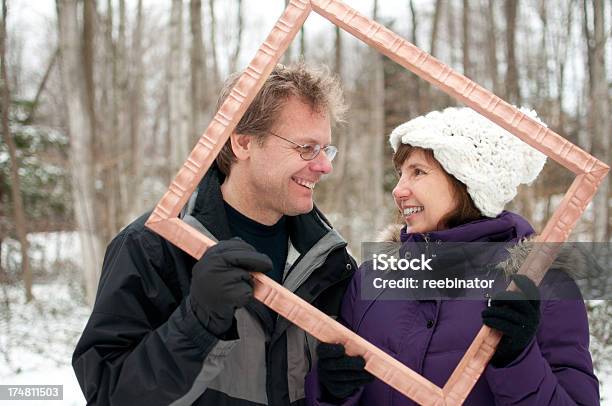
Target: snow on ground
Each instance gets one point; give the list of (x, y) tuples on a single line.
[(37, 339)]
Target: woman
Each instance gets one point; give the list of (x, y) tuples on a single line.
[(457, 170)]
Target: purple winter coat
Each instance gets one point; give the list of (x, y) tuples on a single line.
[(431, 337)]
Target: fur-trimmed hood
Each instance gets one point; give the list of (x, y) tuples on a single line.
[(391, 233), (572, 258)]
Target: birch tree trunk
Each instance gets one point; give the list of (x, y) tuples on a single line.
[(601, 121), (17, 200), (79, 130), (177, 129)]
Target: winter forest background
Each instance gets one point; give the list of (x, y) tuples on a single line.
[(102, 100)]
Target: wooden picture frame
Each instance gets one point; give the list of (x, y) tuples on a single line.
[(589, 173)]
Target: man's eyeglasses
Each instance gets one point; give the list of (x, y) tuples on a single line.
[(308, 152)]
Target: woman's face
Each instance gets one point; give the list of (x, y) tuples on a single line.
[(424, 193)]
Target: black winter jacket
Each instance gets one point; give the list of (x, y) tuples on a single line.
[(144, 346)]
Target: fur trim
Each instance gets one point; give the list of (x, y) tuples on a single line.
[(571, 259), (391, 233)]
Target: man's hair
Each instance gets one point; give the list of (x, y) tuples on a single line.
[(315, 87), (465, 211)]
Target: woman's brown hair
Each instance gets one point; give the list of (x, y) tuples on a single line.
[(465, 211)]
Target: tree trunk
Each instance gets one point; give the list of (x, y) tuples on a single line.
[(589, 44), (79, 130), (561, 51), (122, 98), (199, 86), (375, 139), (513, 94), (601, 121), (435, 25), (542, 75), (177, 131), (416, 82), (467, 67), (41, 88), (492, 47), (239, 20), (286, 58), (17, 200), (113, 147), (135, 121), (428, 93), (302, 42), (453, 43), (213, 42)]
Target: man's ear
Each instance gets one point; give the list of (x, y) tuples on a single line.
[(242, 144)]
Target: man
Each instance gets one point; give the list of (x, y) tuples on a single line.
[(167, 329)]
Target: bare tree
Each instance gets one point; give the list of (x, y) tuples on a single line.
[(492, 47), (435, 26), (302, 42), (199, 78), (121, 84), (417, 84), (601, 119), (177, 131), (375, 140), (240, 24), (560, 49), (134, 174), (41, 88), (18, 210), (466, 24), (513, 94), (213, 46), (110, 143), (79, 130), (437, 16)]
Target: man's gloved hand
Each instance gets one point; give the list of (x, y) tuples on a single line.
[(517, 316), (339, 374), (221, 282)]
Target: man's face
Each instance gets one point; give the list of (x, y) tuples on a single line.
[(282, 181)]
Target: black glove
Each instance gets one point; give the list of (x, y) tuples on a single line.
[(339, 374), (221, 283), (516, 315)]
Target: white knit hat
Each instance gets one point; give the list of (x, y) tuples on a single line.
[(489, 160)]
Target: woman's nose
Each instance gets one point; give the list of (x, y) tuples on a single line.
[(402, 189)]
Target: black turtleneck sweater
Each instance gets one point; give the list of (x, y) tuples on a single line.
[(269, 240)]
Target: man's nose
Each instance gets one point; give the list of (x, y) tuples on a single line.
[(321, 164)]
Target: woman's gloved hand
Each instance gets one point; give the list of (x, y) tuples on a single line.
[(517, 316), (340, 375)]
